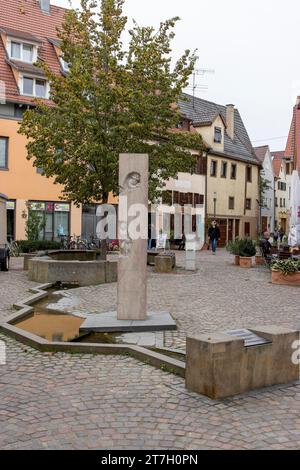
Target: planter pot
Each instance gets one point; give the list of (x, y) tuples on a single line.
[(259, 260), (237, 260), (245, 262), (292, 279)]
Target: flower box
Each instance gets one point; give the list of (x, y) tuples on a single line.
[(237, 260), (245, 262), (292, 279), (259, 260)]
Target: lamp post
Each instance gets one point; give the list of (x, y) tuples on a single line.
[(215, 204)]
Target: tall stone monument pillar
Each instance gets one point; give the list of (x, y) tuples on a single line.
[(133, 231)]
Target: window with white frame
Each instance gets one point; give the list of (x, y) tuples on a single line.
[(34, 87), (22, 51), (64, 65)]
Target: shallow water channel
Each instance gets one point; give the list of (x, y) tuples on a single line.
[(60, 326)]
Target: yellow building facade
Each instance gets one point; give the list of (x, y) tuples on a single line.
[(233, 171)]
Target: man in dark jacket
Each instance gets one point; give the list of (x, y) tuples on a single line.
[(214, 236)]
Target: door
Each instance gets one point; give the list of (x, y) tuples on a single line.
[(10, 224), (283, 225), (237, 228), (223, 231), (247, 229), (264, 224)]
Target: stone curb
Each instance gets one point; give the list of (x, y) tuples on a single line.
[(142, 354)]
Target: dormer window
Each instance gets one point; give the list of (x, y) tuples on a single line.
[(64, 64), (22, 51), (183, 124), (34, 87), (218, 135)]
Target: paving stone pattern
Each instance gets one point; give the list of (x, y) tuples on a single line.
[(62, 401)]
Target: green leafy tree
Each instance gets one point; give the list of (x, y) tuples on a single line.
[(113, 100), (35, 223), (264, 186)]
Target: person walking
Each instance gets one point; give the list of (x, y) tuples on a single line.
[(276, 235), (214, 236), (281, 235)]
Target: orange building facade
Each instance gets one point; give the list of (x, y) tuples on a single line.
[(28, 32)]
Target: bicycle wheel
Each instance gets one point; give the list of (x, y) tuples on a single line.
[(82, 246)]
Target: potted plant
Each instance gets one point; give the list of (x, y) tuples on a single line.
[(247, 249), (233, 248), (259, 258), (286, 272)]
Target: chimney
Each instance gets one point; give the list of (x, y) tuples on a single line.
[(45, 5), (298, 102), (230, 120)]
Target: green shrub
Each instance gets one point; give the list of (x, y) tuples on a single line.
[(31, 246), (287, 266), (246, 248), (234, 247), (35, 222)]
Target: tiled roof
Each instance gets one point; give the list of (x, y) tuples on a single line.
[(293, 143), (27, 17), (276, 167), (202, 112), (20, 34), (277, 158), (260, 152), (279, 155), (25, 67)]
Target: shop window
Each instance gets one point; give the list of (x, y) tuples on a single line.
[(56, 218)]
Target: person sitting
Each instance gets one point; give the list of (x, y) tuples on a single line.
[(266, 247), (181, 246)]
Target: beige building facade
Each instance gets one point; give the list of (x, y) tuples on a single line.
[(233, 171)]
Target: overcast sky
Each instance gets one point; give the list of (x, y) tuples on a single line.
[(251, 46)]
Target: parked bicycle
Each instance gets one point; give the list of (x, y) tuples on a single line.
[(13, 248), (76, 242)]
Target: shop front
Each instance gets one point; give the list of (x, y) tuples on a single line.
[(55, 218)]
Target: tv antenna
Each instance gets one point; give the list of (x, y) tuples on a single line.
[(196, 86)]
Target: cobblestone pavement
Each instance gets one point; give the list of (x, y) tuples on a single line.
[(219, 296), (61, 401)]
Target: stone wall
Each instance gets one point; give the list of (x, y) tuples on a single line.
[(83, 273)]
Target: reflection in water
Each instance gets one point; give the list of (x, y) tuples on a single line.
[(52, 326)]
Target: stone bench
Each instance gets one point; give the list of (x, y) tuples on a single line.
[(221, 365)]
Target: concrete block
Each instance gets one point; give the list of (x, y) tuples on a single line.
[(108, 322), (190, 260), (83, 273), (26, 258), (219, 365), (111, 271), (165, 263)]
